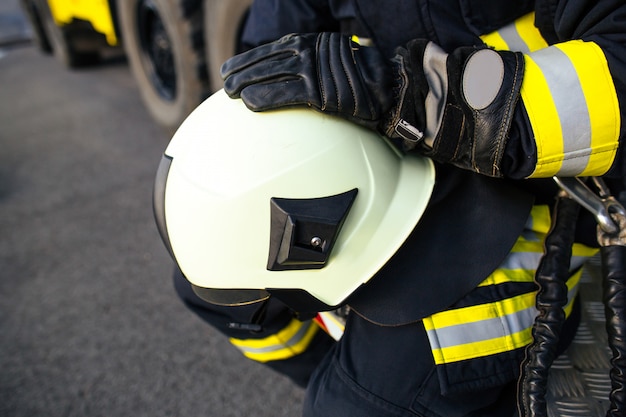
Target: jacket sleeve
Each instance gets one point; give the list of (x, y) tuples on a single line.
[(269, 20), (573, 93)]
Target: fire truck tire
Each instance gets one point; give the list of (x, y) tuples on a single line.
[(33, 12), (223, 22), (165, 48)]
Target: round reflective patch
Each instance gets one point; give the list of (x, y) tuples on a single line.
[(482, 78)]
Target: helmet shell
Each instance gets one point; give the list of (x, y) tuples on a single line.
[(226, 163)]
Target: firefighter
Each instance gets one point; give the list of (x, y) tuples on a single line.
[(502, 96)]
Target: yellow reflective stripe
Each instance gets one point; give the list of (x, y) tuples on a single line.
[(543, 117), (529, 33), (362, 41), (583, 251), (451, 341), (496, 41), (580, 253), (483, 348), (602, 105), (479, 312), (570, 99), (291, 341), (502, 325), (499, 326), (522, 261), (523, 245), (541, 219), (572, 105), (519, 36), (487, 329), (501, 276)]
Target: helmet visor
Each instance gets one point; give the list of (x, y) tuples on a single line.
[(228, 297)]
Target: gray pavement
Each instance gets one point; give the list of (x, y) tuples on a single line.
[(89, 321)]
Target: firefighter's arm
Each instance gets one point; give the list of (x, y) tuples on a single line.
[(456, 108), (267, 332), (565, 119), (453, 108), (569, 122), (552, 111), (271, 19), (570, 99)]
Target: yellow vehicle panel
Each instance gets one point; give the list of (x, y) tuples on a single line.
[(97, 12)]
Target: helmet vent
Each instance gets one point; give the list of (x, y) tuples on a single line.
[(303, 231)]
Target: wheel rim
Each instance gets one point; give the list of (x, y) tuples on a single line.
[(156, 49)]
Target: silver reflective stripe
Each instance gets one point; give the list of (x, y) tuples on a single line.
[(294, 340), (465, 333), (530, 261), (511, 36), (483, 330), (571, 106)]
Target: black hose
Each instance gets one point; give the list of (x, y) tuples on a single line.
[(614, 288), (551, 276)]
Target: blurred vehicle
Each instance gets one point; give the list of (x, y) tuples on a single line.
[(174, 47)]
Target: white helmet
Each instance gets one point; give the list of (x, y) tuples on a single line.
[(292, 203)]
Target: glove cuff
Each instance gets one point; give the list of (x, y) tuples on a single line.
[(484, 88), (407, 119), (456, 108)]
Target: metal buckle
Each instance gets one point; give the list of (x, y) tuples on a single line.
[(600, 204)]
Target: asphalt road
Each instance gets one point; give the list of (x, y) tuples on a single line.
[(89, 322)]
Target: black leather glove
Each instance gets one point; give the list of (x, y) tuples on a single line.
[(456, 108), (327, 71)]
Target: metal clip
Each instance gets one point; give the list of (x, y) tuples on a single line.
[(601, 205)]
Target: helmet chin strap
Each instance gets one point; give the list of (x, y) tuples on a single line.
[(551, 276)]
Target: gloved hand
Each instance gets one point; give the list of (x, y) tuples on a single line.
[(456, 108), (326, 71)]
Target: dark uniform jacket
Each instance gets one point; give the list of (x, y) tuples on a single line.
[(472, 220)]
